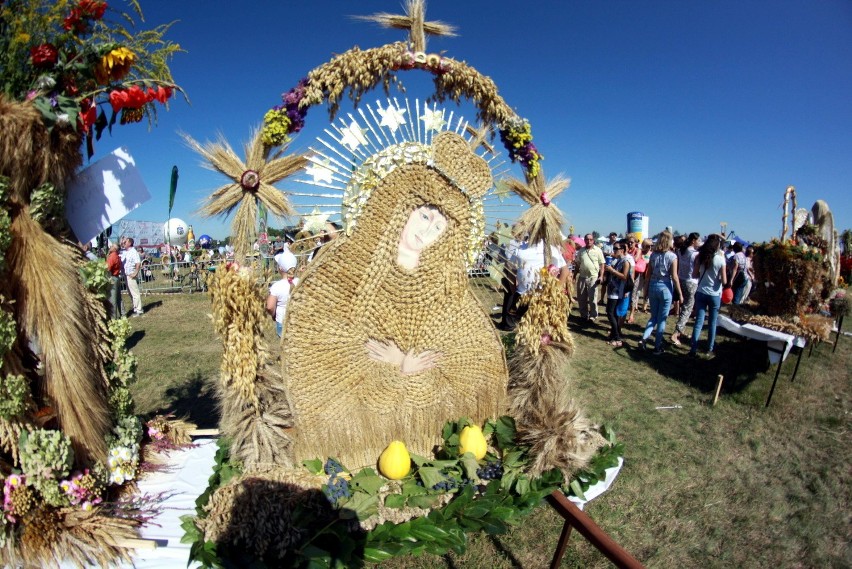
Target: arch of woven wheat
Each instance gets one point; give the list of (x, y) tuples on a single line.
[(358, 71)]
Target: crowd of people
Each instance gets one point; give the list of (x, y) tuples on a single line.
[(681, 276)]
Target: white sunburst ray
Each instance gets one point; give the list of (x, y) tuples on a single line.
[(413, 122), (371, 147), (382, 130), (461, 125), (406, 133), (340, 191), (417, 129), (352, 164), (344, 170), (359, 152), (356, 152), (338, 176), (381, 141)]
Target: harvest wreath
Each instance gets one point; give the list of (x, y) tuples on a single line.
[(344, 518)]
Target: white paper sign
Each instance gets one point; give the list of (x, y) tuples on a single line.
[(103, 193)]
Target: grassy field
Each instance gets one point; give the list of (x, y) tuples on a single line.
[(731, 485)]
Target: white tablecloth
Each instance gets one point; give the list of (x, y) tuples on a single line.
[(187, 478), (780, 342)]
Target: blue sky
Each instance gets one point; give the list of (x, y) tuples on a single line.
[(691, 112)]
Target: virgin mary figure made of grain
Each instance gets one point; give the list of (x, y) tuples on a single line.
[(384, 340)]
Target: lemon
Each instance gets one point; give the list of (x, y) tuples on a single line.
[(472, 440), (395, 462)]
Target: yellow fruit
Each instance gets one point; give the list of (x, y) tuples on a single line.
[(395, 462), (472, 440)]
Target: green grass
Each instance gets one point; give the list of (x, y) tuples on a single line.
[(734, 485)]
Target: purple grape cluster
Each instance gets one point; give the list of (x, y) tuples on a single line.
[(332, 467), (337, 487), (491, 471), (445, 485)]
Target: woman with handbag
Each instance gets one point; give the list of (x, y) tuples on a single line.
[(711, 273), (618, 273)]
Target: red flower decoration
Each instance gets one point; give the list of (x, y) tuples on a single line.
[(160, 94), (74, 21), (88, 117), (545, 199), (44, 56), (93, 9), (118, 100)]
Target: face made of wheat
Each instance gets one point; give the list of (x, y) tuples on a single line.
[(425, 225)]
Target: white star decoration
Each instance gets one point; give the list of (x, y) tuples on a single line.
[(319, 170), (315, 222), (433, 120), (391, 117), (502, 190), (353, 136)]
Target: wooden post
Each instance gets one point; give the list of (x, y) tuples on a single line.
[(718, 388)]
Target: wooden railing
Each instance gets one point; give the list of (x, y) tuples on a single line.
[(575, 518)]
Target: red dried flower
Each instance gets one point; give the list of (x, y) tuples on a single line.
[(93, 9), (44, 56), (160, 94), (88, 117), (118, 100), (74, 21)]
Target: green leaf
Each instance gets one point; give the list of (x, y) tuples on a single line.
[(513, 459), (418, 460), (368, 481), (505, 431), (191, 532), (462, 499), (502, 512), (508, 479), (578, 491), (444, 464), (470, 465), (311, 551), (363, 505), (376, 555), (314, 466), (425, 501), (430, 476), (428, 532), (476, 510), (410, 488), (394, 501), (447, 431), (523, 485), (493, 527)]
